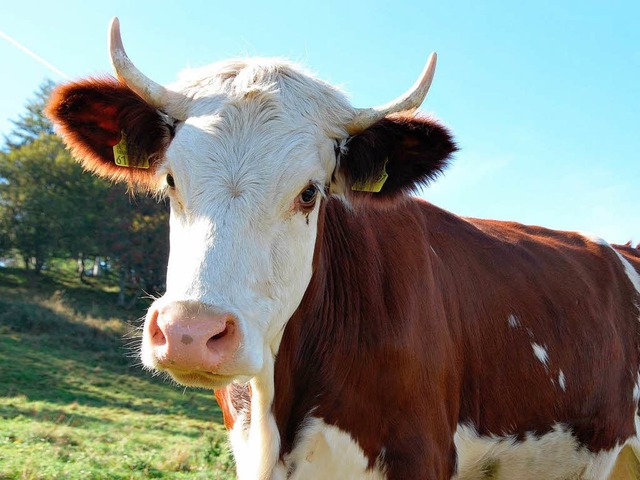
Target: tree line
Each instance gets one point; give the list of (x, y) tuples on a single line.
[(50, 208)]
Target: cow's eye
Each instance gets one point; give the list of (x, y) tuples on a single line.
[(308, 195), (170, 181)]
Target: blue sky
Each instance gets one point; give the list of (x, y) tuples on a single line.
[(543, 97)]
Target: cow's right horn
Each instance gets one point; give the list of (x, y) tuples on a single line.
[(412, 98), (151, 92)]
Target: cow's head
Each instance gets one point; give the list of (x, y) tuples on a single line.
[(246, 151)]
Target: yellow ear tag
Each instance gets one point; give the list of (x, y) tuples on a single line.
[(373, 186), (121, 156)]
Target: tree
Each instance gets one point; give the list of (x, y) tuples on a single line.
[(14, 220), (41, 188), (32, 124), (38, 203), (136, 238), (50, 207)]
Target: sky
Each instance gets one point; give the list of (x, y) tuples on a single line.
[(542, 97)]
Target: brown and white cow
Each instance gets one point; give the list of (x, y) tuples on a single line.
[(353, 334)]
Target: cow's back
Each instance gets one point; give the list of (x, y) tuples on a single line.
[(550, 335)]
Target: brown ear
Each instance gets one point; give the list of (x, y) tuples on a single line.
[(93, 114), (410, 150)]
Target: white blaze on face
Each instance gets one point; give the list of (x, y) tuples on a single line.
[(240, 241)]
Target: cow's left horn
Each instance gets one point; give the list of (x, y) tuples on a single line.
[(150, 91), (365, 117)]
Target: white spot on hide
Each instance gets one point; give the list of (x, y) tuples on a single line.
[(554, 455), (324, 451), (634, 277), (631, 272), (595, 239), (562, 381), (541, 354), (513, 321)]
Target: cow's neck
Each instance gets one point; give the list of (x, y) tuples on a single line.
[(256, 436), (338, 345), (269, 425), (336, 348)]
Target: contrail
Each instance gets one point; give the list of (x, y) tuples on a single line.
[(33, 55)]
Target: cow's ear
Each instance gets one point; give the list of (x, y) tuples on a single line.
[(110, 129), (392, 157)]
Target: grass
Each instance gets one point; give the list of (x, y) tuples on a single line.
[(72, 403), (74, 406)]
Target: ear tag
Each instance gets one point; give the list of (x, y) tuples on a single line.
[(373, 186), (121, 156)]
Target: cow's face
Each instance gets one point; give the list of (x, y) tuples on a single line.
[(245, 174), (246, 152)]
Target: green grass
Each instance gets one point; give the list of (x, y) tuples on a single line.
[(72, 403)]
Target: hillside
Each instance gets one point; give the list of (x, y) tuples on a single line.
[(73, 402)]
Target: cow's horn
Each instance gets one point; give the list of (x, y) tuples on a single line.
[(150, 91), (365, 117)]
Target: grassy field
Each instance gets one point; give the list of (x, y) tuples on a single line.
[(73, 404)]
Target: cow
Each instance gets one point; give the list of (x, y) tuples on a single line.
[(349, 329)]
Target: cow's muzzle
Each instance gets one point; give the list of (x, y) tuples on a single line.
[(192, 341)]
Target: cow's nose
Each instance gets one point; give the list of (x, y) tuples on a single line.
[(187, 337)]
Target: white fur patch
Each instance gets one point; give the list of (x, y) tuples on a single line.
[(634, 277), (601, 464), (636, 388), (562, 381), (256, 445), (325, 452), (541, 354), (513, 321), (553, 456), (631, 272), (595, 239)]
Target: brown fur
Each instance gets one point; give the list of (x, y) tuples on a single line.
[(403, 334), (628, 251), (91, 114)]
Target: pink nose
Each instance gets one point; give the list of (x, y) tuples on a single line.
[(187, 336)]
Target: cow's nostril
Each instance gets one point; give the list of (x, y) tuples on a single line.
[(218, 336), (155, 332), (228, 329)]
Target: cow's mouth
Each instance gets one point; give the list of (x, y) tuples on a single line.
[(200, 379)]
